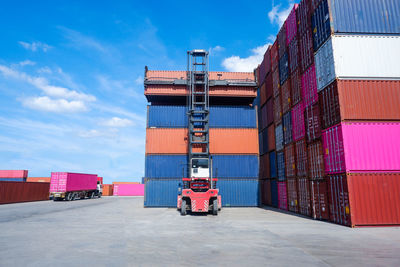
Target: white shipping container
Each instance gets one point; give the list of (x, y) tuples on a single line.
[(358, 57)]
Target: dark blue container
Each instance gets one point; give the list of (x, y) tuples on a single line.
[(234, 192), (263, 137), (220, 117), (280, 159), (284, 68), (224, 166), (13, 179), (321, 26), (274, 193), (272, 164), (287, 128)]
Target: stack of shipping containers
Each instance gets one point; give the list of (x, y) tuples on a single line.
[(336, 105), (233, 137)]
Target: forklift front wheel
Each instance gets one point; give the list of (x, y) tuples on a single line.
[(183, 207), (215, 207)]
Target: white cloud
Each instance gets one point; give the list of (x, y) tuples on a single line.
[(278, 15), (216, 49), (117, 122), (139, 80), (26, 63), (35, 46), (247, 64), (90, 134), (78, 40), (46, 70), (45, 103)]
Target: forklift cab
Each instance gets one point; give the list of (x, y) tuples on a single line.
[(199, 168)]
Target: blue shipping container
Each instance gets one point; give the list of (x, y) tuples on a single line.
[(263, 142), (13, 179), (279, 137), (287, 128), (284, 68), (274, 193), (220, 117), (272, 164), (280, 159), (234, 192), (224, 166), (321, 26)]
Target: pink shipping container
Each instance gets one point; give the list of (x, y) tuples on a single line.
[(295, 81), (13, 173), (312, 122), (303, 184), (282, 196), (362, 146), (291, 25), (301, 158), (309, 87), (68, 182), (298, 128), (128, 189)]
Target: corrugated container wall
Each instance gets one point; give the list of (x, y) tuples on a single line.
[(282, 196), (14, 192), (272, 165), (13, 173), (312, 122), (292, 195), (287, 128), (281, 38), (293, 55), (306, 50), (286, 96), (319, 199), (284, 68), (280, 164), (290, 160), (316, 160), (301, 158), (274, 193), (295, 81), (279, 137), (298, 122), (309, 87), (291, 25), (304, 195), (277, 109)]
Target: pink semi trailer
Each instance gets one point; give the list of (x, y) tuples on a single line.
[(70, 186)]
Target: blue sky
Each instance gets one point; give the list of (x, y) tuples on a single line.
[(71, 74)]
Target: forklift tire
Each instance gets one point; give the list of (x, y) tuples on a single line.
[(215, 207), (183, 208)]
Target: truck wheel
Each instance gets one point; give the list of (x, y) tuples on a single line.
[(215, 207), (183, 208), (73, 196), (100, 195), (68, 197)]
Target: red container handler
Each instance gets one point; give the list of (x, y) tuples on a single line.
[(319, 199), (303, 184), (290, 160), (312, 122), (309, 87), (292, 195), (276, 86), (298, 122), (295, 84), (277, 110), (274, 56), (301, 158), (265, 186), (286, 96), (316, 160), (282, 196), (306, 50), (15, 192)]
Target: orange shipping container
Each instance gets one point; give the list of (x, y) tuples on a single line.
[(38, 179), (178, 90), (222, 141), (108, 189)]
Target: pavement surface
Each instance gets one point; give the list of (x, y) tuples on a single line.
[(118, 231)]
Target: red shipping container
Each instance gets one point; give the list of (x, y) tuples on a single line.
[(295, 81), (277, 110), (306, 50), (303, 17), (293, 54), (286, 96), (15, 192), (266, 192), (292, 195), (291, 25), (282, 196), (270, 111), (281, 37), (268, 86), (301, 158), (313, 123), (309, 87), (274, 56), (13, 173), (257, 75), (271, 137), (263, 94), (303, 184), (264, 117), (276, 86), (329, 105), (319, 199), (316, 160), (290, 160), (267, 60), (298, 122), (264, 166)]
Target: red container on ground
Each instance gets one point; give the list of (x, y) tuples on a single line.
[(264, 166), (316, 160), (290, 160), (309, 87), (319, 199), (274, 56), (13, 173), (286, 96), (306, 50), (271, 137), (292, 195), (312, 123), (270, 111), (301, 158), (295, 85), (15, 192), (276, 86), (265, 186), (277, 110), (303, 184), (298, 128), (282, 196)]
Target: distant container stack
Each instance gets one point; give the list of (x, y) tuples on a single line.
[(234, 143), (13, 175), (333, 78)]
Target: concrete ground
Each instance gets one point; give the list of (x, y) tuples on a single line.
[(118, 231)]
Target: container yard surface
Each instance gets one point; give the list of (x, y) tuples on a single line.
[(114, 231)]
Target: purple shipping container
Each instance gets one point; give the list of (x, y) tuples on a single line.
[(270, 111), (298, 122), (281, 38), (312, 122), (309, 86), (303, 17), (291, 25), (293, 55), (295, 81), (306, 50), (282, 196), (67, 182), (362, 147), (128, 189)]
